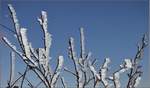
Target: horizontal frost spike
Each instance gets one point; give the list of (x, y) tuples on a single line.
[(25, 42)]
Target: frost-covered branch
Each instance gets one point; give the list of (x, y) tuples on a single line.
[(12, 68), (47, 37), (37, 60), (57, 71), (135, 72), (116, 75), (16, 24), (73, 56), (82, 41), (85, 72), (101, 76), (103, 73), (95, 72), (79, 72)]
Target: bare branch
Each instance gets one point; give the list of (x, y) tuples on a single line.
[(65, 69), (24, 74), (30, 84), (63, 82)]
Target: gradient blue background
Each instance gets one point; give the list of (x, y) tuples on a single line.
[(112, 29)]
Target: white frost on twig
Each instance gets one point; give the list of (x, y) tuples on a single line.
[(33, 51), (124, 67), (42, 58), (25, 42), (82, 42), (128, 63), (94, 72), (11, 45), (26, 45), (57, 71), (103, 72), (60, 63), (47, 36), (137, 81), (12, 72), (80, 77), (14, 17), (73, 53)]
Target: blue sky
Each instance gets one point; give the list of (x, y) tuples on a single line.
[(112, 29)]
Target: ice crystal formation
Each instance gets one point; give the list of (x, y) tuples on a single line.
[(85, 72)]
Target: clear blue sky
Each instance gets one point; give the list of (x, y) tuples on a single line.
[(112, 29)]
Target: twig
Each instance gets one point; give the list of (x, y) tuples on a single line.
[(63, 82), (24, 74)]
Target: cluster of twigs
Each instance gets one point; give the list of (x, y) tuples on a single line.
[(37, 60)]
